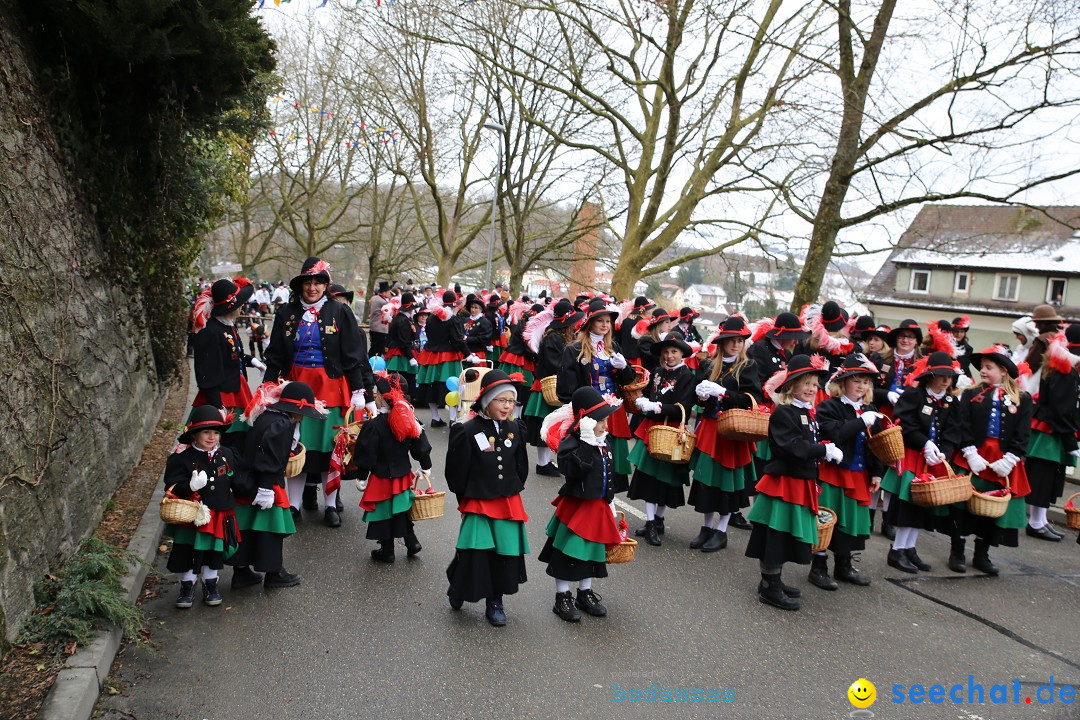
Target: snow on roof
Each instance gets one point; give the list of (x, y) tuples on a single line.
[(999, 252)]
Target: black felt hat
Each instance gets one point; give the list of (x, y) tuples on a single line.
[(674, 339), (229, 295), (205, 417), (588, 402), (340, 291), (298, 397), (909, 325), (733, 327), (938, 363), (1000, 355), (565, 315), (787, 326), (833, 317), (312, 269), (855, 364)]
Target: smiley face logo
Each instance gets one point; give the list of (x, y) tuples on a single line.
[(862, 693)]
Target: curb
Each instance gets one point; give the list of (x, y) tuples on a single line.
[(76, 689)]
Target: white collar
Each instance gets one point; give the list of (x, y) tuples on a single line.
[(731, 359), (936, 396), (801, 404), (903, 357), (223, 321), (317, 305), (853, 403), (595, 338), (671, 369)]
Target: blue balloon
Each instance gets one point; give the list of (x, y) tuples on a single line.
[(378, 364), (452, 383)]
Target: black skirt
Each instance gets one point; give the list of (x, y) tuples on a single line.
[(186, 557), (564, 567), (775, 547), (706, 499), (1047, 480), (395, 526), (985, 528), (844, 544), (532, 431), (648, 489), (478, 574), (431, 394), (903, 514), (261, 550)]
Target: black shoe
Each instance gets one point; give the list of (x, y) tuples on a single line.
[(770, 592), (338, 504), (281, 579), (819, 573), (210, 594), (437, 422), (186, 598), (649, 533), (564, 607), (846, 572), (658, 523), (494, 612), (384, 553), (718, 541), (455, 601), (738, 521), (296, 515), (789, 590), (589, 601), (311, 497), (243, 577), (1043, 533), (704, 534), (917, 561), (331, 518), (412, 544), (1050, 526), (956, 555), (981, 560), (549, 470), (899, 560), (888, 530)]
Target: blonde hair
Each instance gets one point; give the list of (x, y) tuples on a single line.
[(1010, 386), (586, 352), (741, 361), (788, 388), (836, 389)]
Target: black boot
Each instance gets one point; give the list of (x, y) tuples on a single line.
[(211, 596), (280, 579), (872, 512), (771, 592), (899, 560), (917, 561), (338, 504), (703, 535), (331, 518), (243, 577), (789, 590), (718, 541), (819, 573), (846, 572), (738, 521), (494, 611), (311, 497), (659, 523), (956, 555), (548, 470), (186, 598), (981, 559), (385, 552), (649, 533), (589, 601), (564, 607), (412, 545)]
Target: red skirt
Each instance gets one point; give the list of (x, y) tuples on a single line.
[(797, 491), (590, 519), (332, 391), (437, 358), (502, 508), (991, 452), (238, 399), (281, 498), (379, 489), (618, 425), (854, 483), (536, 385), (729, 453), (392, 353), (519, 360), (216, 526), (915, 462)]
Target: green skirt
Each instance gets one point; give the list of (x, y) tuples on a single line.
[(762, 451), (665, 472), (505, 537), (537, 407), (400, 364), (318, 435), (1044, 446), (527, 374), (795, 520), (385, 509), (851, 517), (438, 374), (900, 486), (1015, 517), (275, 520), (620, 454), (198, 540), (575, 546), (709, 472)]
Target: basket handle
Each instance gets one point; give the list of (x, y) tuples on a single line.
[(640, 373), (948, 469), (682, 418), (753, 402), (416, 479), (1068, 503), (888, 424)]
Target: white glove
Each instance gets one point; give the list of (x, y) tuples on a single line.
[(412, 362), (654, 407), (703, 390), (618, 361), (198, 480), (870, 417), (963, 382), (257, 363), (372, 409), (1005, 465), (587, 425), (833, 454), (931, 453), (642, 403), (361, 485), (976, 462), (893, 397), (1075, 453), (264, 499), (489, 348), (472, 359), (357, 400)]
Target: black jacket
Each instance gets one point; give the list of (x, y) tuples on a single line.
[(266, 449), (838, 423), (223, 469), (402, 335), (625, 337), (916, 411), (516, 344), (1015, 425), (794, 442), (220, 362), (500, 471), (768, 359), (644, 348), (550, 356), (738, 391), (887, 375), (1057, 405), (672, 388), (343, 345), (573, 374), (588, 470), (445, 335), (478, 333), (963, 356), (380, 453)]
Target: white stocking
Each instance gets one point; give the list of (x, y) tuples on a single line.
[(1037, 515), (209, 573), (452, 410), (434, 411), (721, 523), (585, 584), (562, 586), (296, 490), (189, 576), (707, 519), (650, 511), (543, 455), (660, 510)]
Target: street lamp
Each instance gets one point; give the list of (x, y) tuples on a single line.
[(494, 196)]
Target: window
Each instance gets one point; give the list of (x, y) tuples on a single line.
[(1006, 287), (1055, 291), (962, 283), (920, 281)]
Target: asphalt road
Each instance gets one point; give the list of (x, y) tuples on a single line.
[(358, 639)]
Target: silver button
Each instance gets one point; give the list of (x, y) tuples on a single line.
[(500, 467)]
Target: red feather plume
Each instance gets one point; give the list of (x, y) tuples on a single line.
[(758, 329), (942, 341)]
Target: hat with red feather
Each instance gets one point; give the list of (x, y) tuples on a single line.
[(998, 354), (312, 269), (936, 363), (206, 417), (854, 365), (228, 295)]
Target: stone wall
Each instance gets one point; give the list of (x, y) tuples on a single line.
[(78, 398)]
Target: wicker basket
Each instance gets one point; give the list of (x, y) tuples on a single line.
[(887, 445), (295, 466), (427, 506), (353, 429), (825, 531), (624, 551), (670, 444), (631, 392), (1072, 514), (175, 511), (988, 506), (943, 490), (747, 425), (548, 385)]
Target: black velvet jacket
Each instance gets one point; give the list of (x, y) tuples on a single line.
[(1057, 406), (1015, 423), (343, 347), (839, 424), (573, 374), (222, 469), (381, 454), (887, 375), (795, 445), (551, 352), (672, 388), (266, 450), (445, 335), (478, 333), (587, 468), (220, 362), (916, 412), (402, 335), (738, 392), (768, 359), (499, 471)]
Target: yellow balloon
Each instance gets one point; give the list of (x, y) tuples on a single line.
[(453, 398), (862, 693)]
